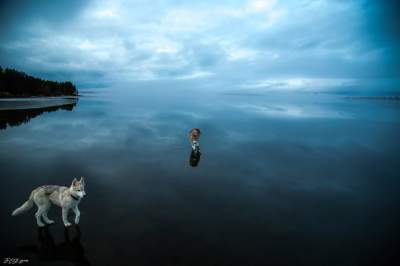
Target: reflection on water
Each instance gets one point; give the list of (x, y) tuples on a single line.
[(17, 117), (194, 158), (48, 251), (287, 179)]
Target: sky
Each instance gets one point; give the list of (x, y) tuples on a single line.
[(254, 44)]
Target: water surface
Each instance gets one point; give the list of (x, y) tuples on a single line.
[(283, 179)]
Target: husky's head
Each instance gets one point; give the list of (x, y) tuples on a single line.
[(78, 188), (195, 133)]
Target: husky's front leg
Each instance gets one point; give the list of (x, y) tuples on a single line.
[(65, 217), (77, 214)]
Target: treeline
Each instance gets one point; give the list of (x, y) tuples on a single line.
[(14, 83)]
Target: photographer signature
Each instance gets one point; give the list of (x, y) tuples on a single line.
[(15, 261)]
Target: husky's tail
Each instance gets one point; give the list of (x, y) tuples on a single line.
[(24, 207)]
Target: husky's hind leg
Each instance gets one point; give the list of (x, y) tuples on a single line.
[(42, 202), (65, 217), (44, 214), (38, 216), (46, 219)]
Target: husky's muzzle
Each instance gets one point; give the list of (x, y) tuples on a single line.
[(81, 194)]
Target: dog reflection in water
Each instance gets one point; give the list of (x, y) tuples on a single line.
[(71, 250), (194, 158)]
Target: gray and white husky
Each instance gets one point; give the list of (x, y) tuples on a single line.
[(65, 197)]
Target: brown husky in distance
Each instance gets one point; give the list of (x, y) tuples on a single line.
[(194, 136)]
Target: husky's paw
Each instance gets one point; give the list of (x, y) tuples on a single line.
[(67, 224), (50, 222), (41, 225)]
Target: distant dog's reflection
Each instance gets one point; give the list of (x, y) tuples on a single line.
[(70, 250), (194, 158)]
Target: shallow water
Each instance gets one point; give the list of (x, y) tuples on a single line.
[(283, 179)]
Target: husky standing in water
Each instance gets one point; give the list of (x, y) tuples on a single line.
[(65, 197), (194, 136)]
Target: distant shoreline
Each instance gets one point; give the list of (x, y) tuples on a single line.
[(389, 98), (6, 97), (27, 103), (39, 97), (18, 84)]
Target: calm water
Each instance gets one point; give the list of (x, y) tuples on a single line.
[(283, 179)]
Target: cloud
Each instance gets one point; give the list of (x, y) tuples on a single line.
[(227, 42), (195, 75), (293, 84), (293, 111)]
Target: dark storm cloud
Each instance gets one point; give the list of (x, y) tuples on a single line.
[(242, 43), (381, 29), (14, 14)]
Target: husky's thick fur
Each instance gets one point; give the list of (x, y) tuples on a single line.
[(194, 136), (65, 197)]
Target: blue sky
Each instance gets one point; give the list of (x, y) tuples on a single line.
[(259, 44)]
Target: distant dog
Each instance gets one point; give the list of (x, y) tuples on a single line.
[(65, 197), (194, 136)]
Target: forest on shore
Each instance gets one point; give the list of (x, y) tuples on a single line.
[(15, 83)]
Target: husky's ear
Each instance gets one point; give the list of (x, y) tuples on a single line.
[(74, 182), (82, 180)]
